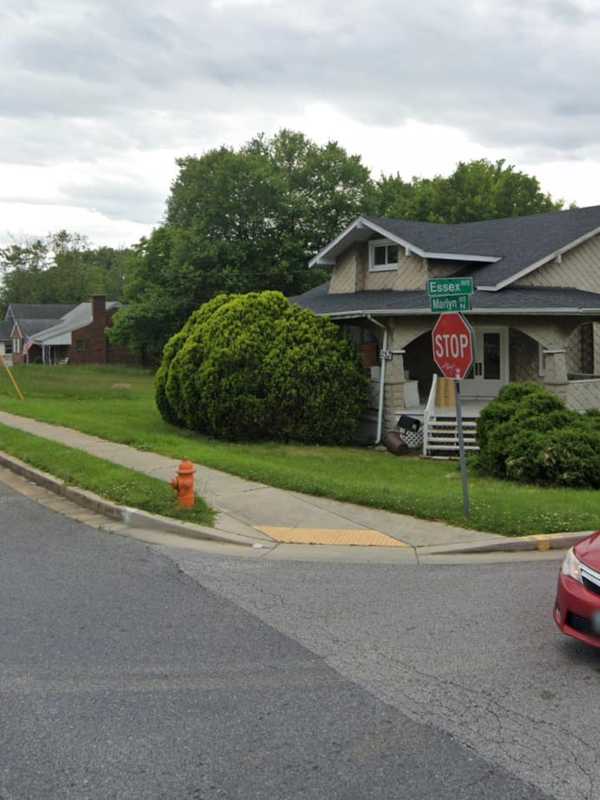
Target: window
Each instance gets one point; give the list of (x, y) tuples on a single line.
[(16, 345), (382, 255), (8, 348)]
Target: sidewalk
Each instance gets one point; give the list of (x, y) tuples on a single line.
[(266, 515)]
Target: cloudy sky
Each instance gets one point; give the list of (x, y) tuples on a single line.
[(98, 97)]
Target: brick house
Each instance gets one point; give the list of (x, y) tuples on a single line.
[(535, 311), (74, 334)]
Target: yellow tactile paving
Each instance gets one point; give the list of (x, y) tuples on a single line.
[(349, 536)]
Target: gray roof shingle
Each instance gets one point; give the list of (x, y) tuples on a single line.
[(517, 241), (6, 327), (40, 310), (387, 301)]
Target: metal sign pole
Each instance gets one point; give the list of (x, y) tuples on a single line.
[(461, 449)]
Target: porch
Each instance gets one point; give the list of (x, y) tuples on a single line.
[(561, 353)]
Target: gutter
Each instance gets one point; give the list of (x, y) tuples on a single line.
[(383, 359), (426, 312)]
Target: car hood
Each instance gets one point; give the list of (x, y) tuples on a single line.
[(588, 551)]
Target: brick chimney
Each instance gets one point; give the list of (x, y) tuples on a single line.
[(99, 309)]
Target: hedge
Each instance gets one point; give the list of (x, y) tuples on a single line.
[(528, 435)]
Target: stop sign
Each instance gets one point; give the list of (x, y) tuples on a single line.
[(453, 345)]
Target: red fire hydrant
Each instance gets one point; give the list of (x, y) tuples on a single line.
[(184, 484)]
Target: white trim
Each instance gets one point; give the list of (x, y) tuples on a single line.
[(389, 266), (362, 222), (426, 312), (537, 264)]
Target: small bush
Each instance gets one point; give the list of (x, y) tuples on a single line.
[(528, 435), (255, 366)]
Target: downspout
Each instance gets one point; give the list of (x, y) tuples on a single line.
[(383, 359)]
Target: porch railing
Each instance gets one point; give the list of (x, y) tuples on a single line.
[(429, 411)]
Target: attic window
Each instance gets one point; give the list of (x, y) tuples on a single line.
[(382, 255)]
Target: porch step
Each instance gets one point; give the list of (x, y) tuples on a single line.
[(441, 437)]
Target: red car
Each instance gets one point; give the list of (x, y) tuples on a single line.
[(577, 606)]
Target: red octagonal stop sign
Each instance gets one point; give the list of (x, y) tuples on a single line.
[(453, 345)]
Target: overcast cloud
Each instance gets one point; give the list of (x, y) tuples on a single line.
[(97, 98)]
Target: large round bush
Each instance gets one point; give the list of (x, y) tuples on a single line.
[(255, 366)]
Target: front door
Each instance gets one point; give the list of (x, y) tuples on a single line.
[(489, 372)]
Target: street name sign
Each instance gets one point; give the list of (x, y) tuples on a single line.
[(449, 287), (452, 338), (444, 305)]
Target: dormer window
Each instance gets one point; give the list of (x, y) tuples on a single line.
[(383, 255)]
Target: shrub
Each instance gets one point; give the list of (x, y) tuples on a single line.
[(528, 435), (505, 405), (255, 366)]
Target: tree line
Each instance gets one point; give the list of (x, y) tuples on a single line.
[(246, 219)]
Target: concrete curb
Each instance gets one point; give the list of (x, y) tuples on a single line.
[(131, 517), (539, 542)]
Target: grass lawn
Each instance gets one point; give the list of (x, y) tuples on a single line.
[(119, 484), (117, 404)]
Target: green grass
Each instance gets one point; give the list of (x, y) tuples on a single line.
[(119, 484), (117, 404)]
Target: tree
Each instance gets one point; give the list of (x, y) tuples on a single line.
[(239, 221), (61, 268), (476, 190)]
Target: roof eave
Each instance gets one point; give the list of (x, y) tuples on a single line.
[(424, 311), (362, 222), (540, 262)]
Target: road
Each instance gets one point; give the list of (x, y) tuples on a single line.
[(134, 672)]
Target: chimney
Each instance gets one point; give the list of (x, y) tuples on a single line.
[(99, 309)]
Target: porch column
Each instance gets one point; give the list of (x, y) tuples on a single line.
[(555, 371), (394, 387)]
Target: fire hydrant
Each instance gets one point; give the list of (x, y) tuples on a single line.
[(184, 484)]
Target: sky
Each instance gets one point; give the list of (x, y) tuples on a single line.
[(99, 97)]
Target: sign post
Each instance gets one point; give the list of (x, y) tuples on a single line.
[(452, 338)]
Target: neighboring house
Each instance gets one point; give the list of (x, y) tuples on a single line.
[(75, 334), (5, 340), (536, 308)]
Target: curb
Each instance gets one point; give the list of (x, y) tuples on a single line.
[(131, 517), (540, 542)]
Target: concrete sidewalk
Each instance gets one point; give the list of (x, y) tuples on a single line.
[(264, 514)]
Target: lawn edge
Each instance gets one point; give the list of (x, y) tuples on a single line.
[(131, 517)]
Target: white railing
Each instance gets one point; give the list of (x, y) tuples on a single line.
[(429, 412)]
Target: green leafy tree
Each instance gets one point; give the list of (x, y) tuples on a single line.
[(61, 268), (476, 190), (239, 221)]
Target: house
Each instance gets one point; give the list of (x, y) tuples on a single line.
[(5, 340), (22, 320), (51, 333), (535, 310)]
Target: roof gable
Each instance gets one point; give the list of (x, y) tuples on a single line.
[(496, 252)]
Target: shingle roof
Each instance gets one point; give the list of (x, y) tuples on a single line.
[(539, 299), (31, 326), (40, 310), (6, 327), (518, 242), (78, 317)]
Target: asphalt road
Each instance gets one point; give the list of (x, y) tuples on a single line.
[(124, 677), (470, 650)]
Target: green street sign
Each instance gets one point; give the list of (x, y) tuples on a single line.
[(449, 287), (445, 305)]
